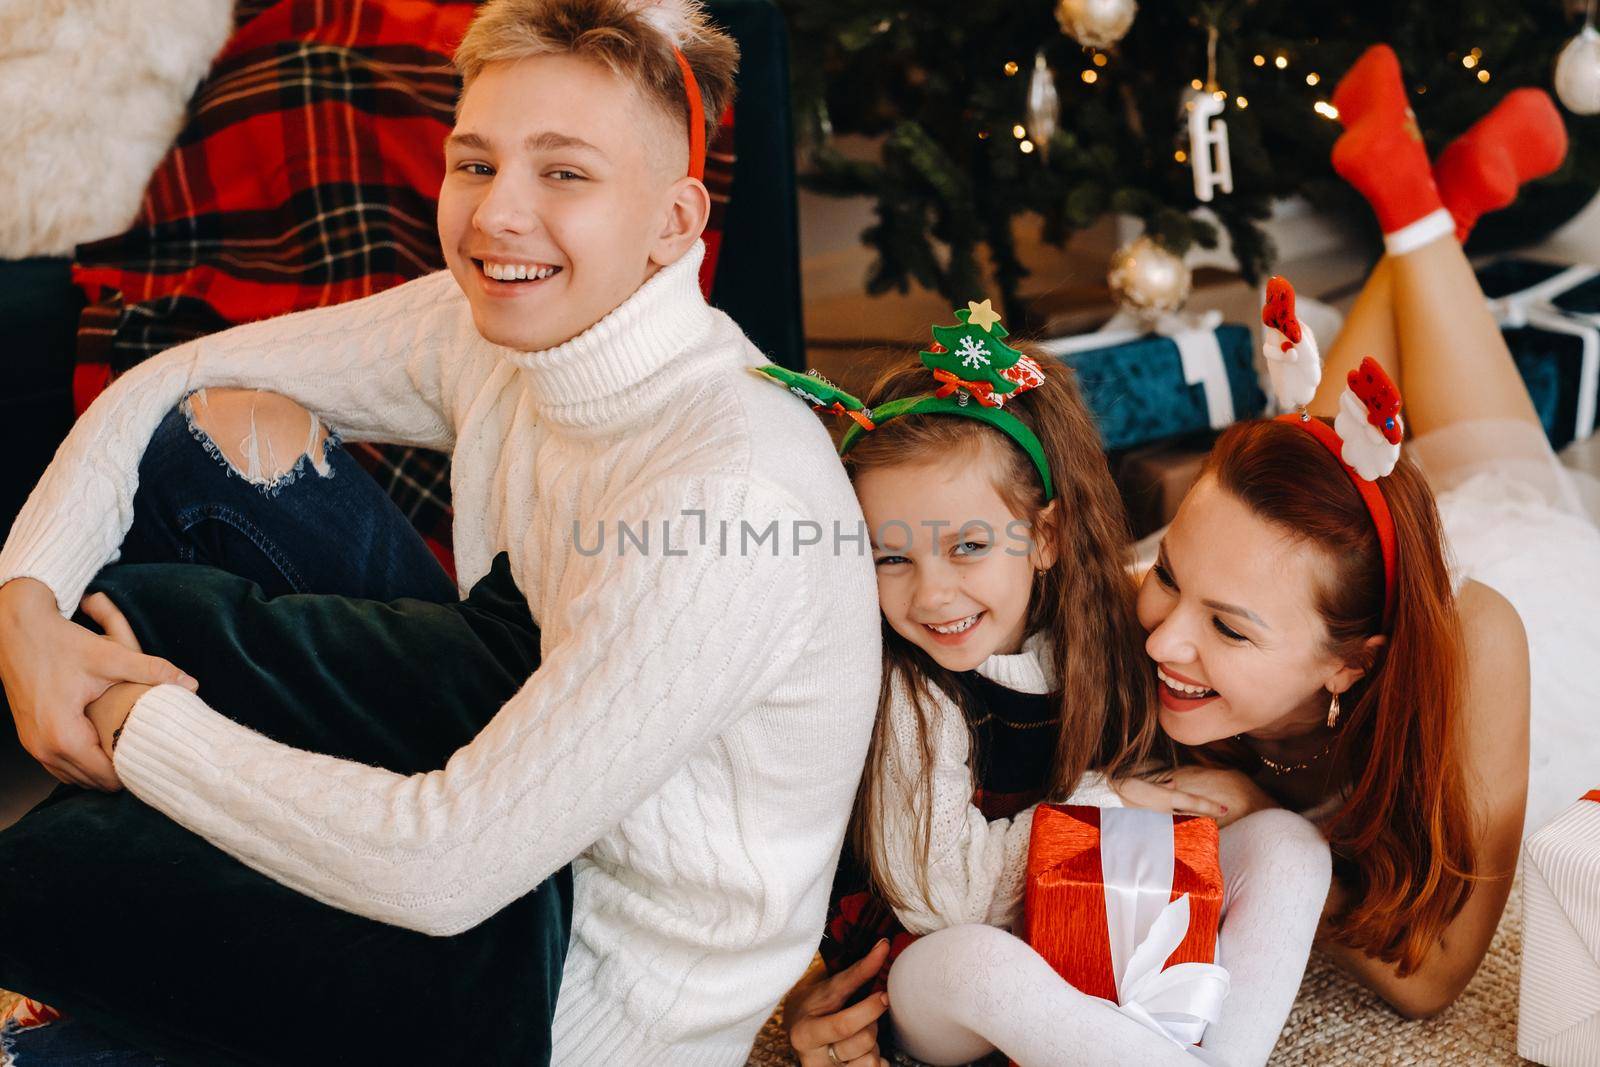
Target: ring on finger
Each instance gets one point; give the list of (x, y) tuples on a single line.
[(833, 1056)]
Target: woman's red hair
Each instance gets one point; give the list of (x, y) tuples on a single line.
[(1402, 836)]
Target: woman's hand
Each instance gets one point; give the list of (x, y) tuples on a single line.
[(822, 1031), (1224, 795), (52, 668)]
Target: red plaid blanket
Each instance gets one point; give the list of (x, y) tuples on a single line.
[(307, 174)]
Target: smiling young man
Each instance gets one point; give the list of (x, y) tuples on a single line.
[(673, 746)]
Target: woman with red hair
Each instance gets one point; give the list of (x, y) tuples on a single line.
[(1320, 648)]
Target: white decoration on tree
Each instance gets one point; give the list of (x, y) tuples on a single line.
[(1578, 73), (1044, 104), (973, 353), (1208, 145)]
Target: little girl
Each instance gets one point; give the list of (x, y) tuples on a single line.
[(1013, 674)]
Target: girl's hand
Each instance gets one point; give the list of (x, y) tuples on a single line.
[(822, 1031), (1234, 792)]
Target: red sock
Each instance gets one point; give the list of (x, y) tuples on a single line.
[(1381, 151), (1523, 138), (1373, 84)]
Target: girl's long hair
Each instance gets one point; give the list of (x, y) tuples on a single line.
[(1403, 834), (1084, 602)]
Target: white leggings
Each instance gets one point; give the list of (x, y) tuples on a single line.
[(960, 993)]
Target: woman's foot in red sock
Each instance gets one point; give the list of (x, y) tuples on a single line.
[(1522, 139), (1373, 84), (1381, 153)]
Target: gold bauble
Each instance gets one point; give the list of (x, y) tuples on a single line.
[(1148, 280), (1096, 23)]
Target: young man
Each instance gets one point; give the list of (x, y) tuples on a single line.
[(676, 745)]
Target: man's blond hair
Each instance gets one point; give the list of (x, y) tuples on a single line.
[(633, 38)]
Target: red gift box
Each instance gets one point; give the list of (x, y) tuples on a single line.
[(1104, 883)]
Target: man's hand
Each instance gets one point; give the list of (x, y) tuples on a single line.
[(52, 669), (822, 1031)]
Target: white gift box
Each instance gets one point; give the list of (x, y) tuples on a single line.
[(1559, 1019)]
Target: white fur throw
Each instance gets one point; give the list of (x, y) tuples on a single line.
[(92, 94)]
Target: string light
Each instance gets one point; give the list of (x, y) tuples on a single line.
[(1313, 78), (1325, 109), (1019, 132), (1483, 76), (1469, 61), (1220, 95), (1099, 59), (1026, 146), (1011, 68), (1089, 76), (1197, 84), (1242, 102), (1260, 60), (1281, 62), (1181, 156), (983, 135)]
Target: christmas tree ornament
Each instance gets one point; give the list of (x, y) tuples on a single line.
[(1147, 280), (1208, 144), (1578, 71), (1044, 105), (1208, 131), (1096, 23), (975, 372)]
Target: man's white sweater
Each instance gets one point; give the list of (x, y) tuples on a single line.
[(693, 737)]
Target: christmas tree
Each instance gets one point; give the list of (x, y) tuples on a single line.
[(944, 86)]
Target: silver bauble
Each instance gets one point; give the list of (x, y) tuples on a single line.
[(1578, 73), (1096, 23), (1147, 280), (1044, 105)]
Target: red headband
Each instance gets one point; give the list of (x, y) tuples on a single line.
[(1371, 495), (697, 119)]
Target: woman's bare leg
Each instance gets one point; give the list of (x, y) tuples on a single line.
[(1454, 364), (1440, 343), (1368, 331)]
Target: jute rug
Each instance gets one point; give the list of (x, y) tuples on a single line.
[(1336, 1023)]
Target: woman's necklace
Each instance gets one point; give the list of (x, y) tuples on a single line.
[(1289, 768)]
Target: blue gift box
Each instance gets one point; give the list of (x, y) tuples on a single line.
[(1549, 314), (1139, 392)]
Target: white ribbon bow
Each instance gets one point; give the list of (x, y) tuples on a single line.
[(1137, 859), (1532, 307), (1198, 351)]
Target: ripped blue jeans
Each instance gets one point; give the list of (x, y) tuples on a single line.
[(346, 538)]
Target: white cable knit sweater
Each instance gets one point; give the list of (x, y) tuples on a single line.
[(977, 869), (678, 744)]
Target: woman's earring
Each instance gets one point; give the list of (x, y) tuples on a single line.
[(1333, 712)]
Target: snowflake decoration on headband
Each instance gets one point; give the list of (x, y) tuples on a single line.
[(972, 360), (821, 394)]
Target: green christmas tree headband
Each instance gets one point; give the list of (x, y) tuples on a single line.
[(976, 374)]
